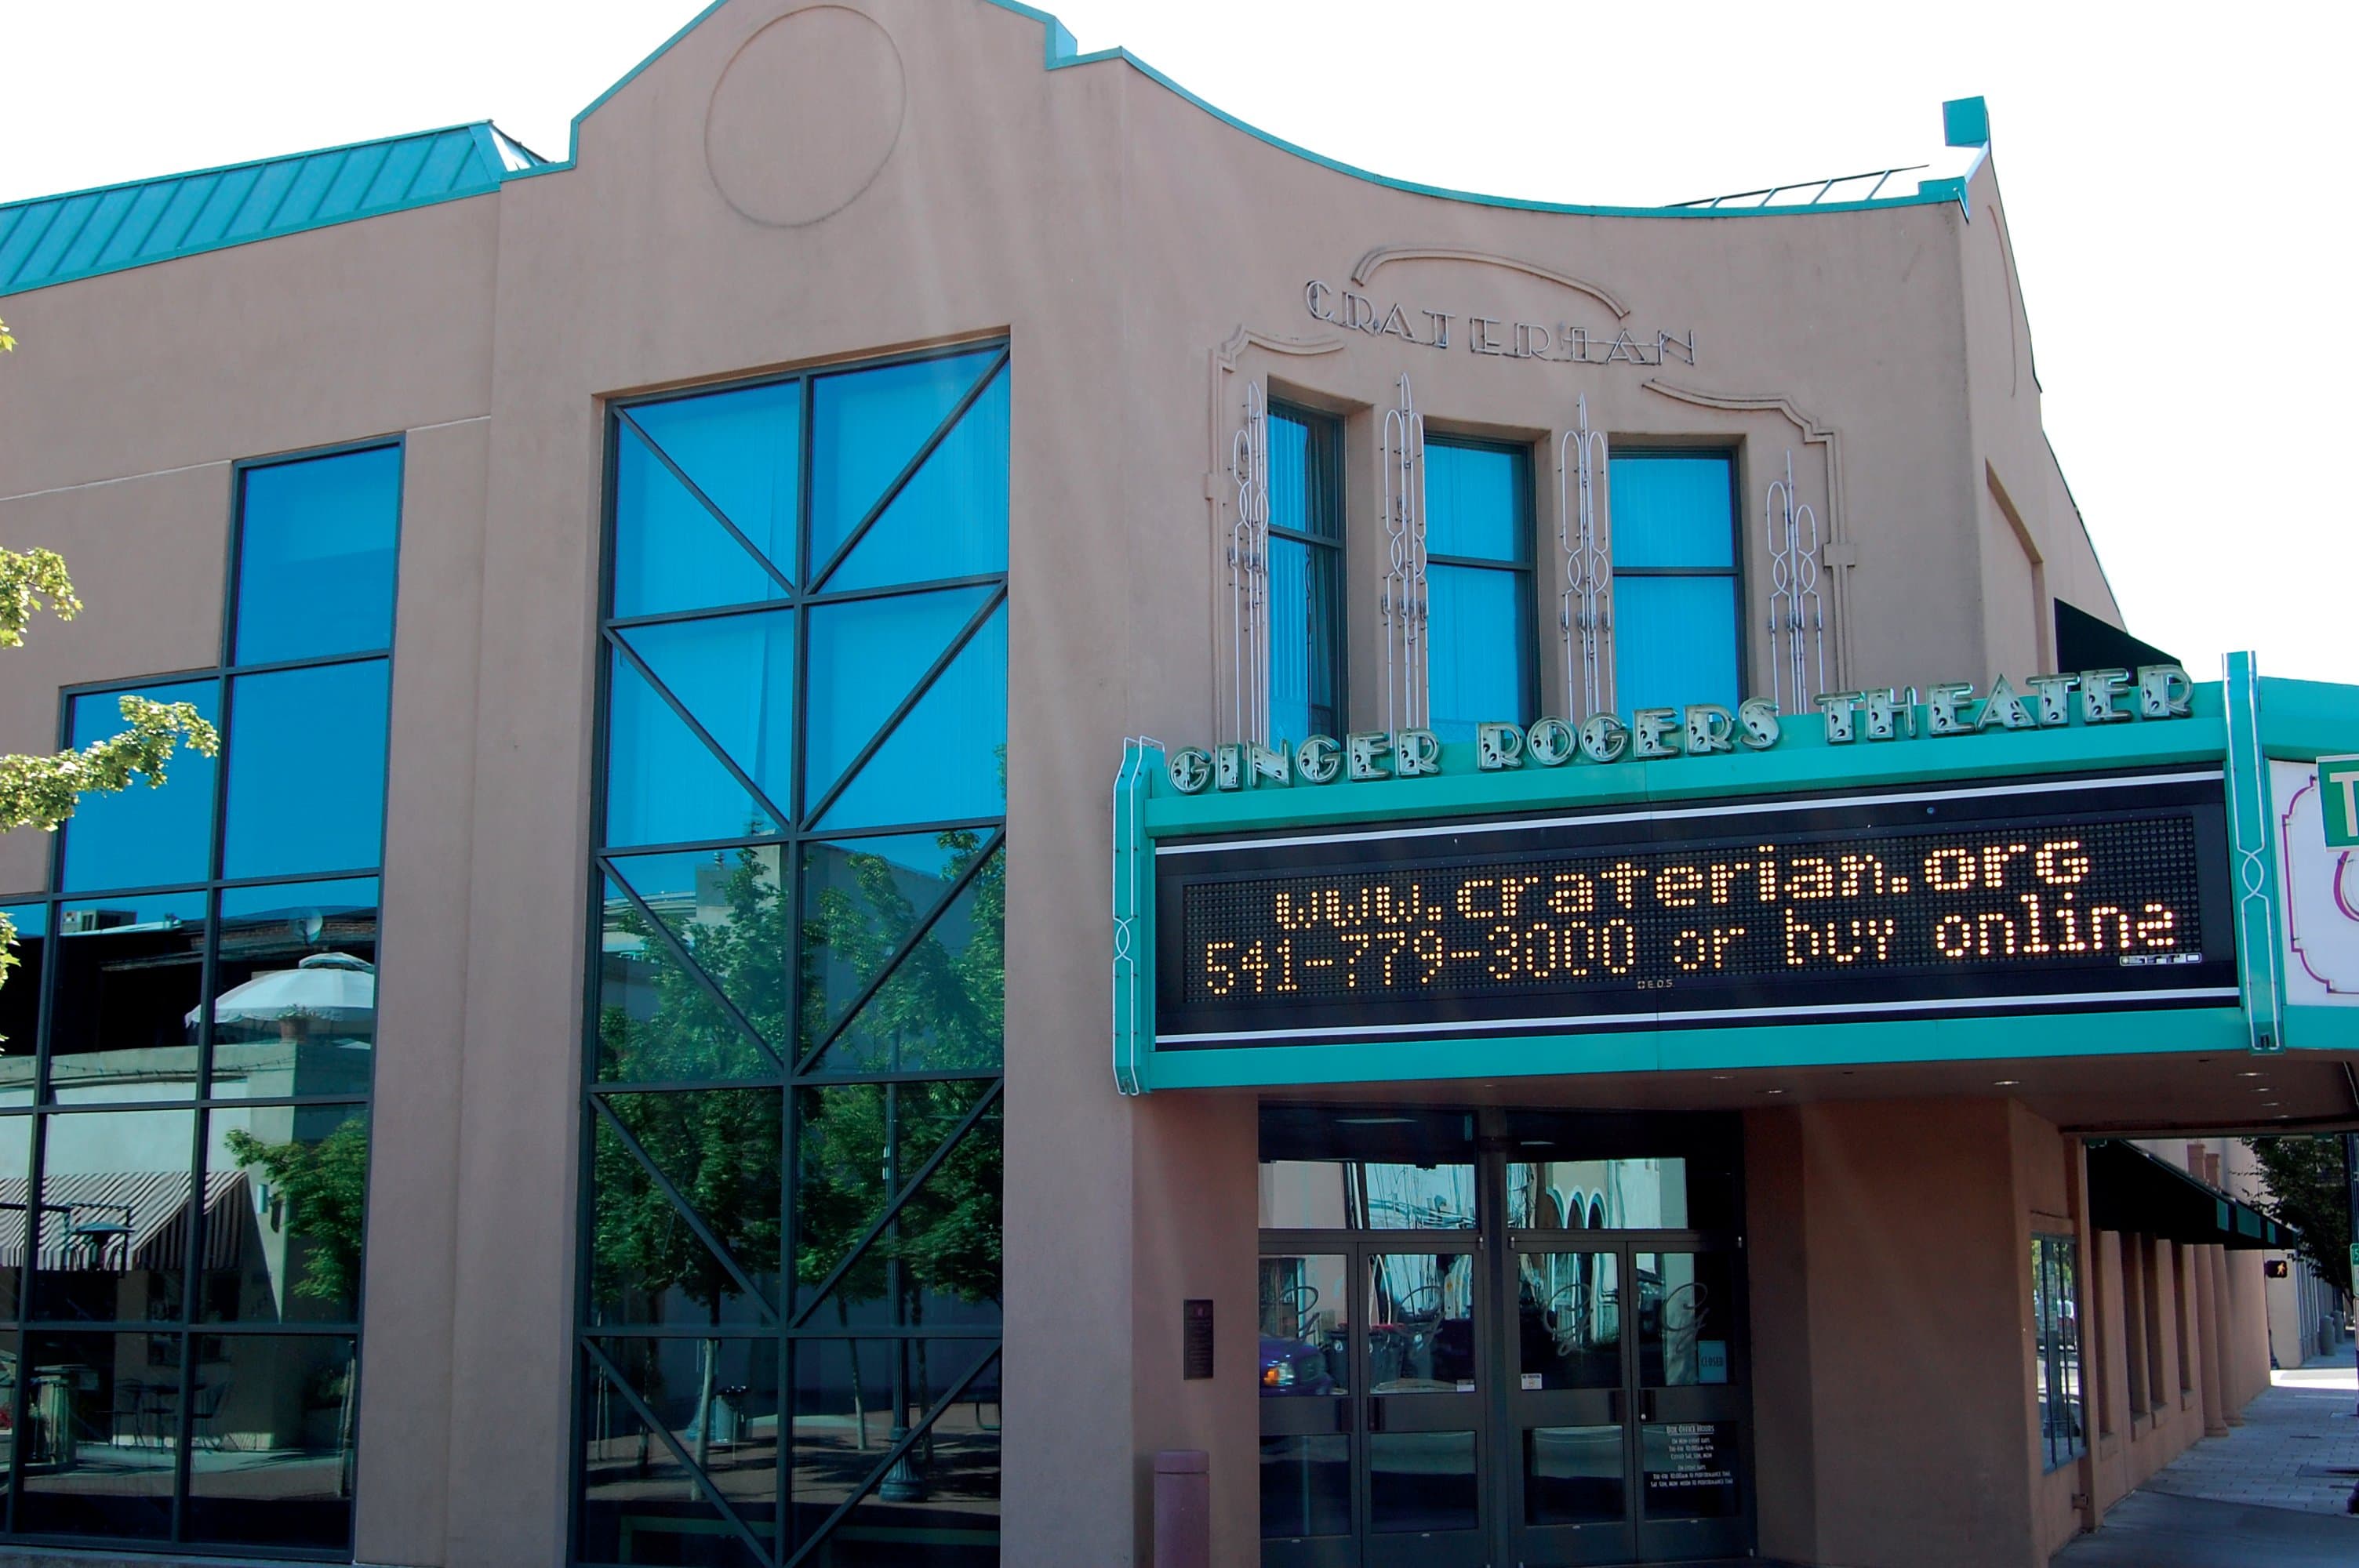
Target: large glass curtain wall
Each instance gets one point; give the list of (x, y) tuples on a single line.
[(790, 1271), (1677, 610), (184, 1096)]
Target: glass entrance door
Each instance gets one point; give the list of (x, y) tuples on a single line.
[(1627, 1429), (1471, 1354), (1372, 1409)]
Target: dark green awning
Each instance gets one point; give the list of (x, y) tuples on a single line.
[(2130, 1190)]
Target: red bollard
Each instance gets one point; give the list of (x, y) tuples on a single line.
[(1183, 1508)]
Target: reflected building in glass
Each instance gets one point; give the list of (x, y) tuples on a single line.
[(186, 1111)]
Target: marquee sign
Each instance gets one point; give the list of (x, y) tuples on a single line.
[(2104, 862), (2053, 895)]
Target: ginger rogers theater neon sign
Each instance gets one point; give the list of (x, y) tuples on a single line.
[(1951, 708)]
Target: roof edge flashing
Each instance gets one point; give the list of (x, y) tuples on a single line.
[(48, 241)]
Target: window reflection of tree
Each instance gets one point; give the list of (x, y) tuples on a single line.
[(860, 1141)]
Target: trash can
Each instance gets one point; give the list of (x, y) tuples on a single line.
[(1183, 1508)]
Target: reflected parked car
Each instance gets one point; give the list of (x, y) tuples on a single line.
[(1293, 1367)]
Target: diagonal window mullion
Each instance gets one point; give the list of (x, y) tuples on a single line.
[(907, 946), (760, 556), (672, 1195), (686, 961), (901, 480), (696, 728), (891, 1457), (967, 634), (990, 1097), (648, 1417)]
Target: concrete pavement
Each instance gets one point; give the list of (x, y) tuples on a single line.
[(2274, 1493)]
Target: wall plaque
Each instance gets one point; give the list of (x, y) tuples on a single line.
[(1196, 1339)]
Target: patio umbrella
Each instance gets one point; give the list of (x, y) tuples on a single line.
[(331, 989)]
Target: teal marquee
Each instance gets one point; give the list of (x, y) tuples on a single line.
[(2261, 733)]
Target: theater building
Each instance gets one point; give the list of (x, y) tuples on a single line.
[(940, 774)]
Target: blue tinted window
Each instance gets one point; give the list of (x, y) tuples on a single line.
[(951, 519), (1306, 614), (306, 770), (735, 676), (1672, 511), (663, 785), (1675, 580), (20, 1018), (719, 905), (744, 450), (866, 654), (710, 709), (1306, 473), (670, 552), (1674, 641), (1477, 667), (1478, 502), (867, 425), (130, 984), (947, 761), (316, 546), (145, 835), (1306, 575), (1479, 659)]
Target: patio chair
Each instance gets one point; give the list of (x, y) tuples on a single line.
[(129, 1414), (204, 1412)]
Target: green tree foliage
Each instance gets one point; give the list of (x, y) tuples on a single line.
[(326, 1187), (940, 1009), (41, 791), (2307, 1191)]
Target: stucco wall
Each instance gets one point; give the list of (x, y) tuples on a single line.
[(1118, 235)]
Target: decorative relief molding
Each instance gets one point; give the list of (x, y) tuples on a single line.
[(1837, 553), (1227, 417), (1226, 356), (1366, 268)]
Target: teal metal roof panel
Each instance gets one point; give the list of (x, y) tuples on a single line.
[(57, 238)]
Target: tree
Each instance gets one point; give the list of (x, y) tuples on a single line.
[(2307, 1191), (938, 1009), (326, 1187), (41, 791)]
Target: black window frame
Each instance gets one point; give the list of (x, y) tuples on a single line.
[(1524, 568), (1733, 571), (200, 1102), (2060, 1404), (1324, 455), (799, 1069)]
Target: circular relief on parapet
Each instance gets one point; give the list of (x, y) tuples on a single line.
[(805, 116)]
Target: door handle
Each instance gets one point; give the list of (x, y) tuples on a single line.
[(1647, 1404), (1376, 1414), (1616, 1410)]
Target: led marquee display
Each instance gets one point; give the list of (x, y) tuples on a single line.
[(2037, 896)]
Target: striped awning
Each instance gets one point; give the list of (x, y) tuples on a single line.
[(121, 1222)]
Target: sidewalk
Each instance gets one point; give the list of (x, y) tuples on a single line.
[(2271, 1494)]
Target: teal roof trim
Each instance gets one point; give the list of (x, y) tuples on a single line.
[(1058, 51), (50, 239)]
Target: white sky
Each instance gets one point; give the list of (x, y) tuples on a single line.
[(2176, 181)]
